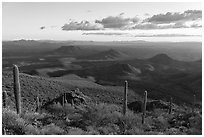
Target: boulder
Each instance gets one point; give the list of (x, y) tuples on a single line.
[(72, 97)]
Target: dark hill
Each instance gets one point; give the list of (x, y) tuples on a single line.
[(68, 50), (73, 51), (114, 72), (122, 69), (106, 55), (161, 59)]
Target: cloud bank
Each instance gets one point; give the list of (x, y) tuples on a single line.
[(117, 22), (138, 35), (83, 25), (170, 17), (169, 20)]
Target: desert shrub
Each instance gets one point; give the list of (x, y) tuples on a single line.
[(108, 119), (12, 122), (32, 117), (101, 114), (26, 124), (196, 121), (91, 131), (76, 131), (52, 129), (173, 131), (32, 130), (195, 124), (160, 123), (59, 110), (109, 129), (134, 131), (194, 131)]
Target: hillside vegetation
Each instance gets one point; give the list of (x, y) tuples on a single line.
[(102, 114)]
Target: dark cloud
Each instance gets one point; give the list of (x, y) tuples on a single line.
[(121, 14), (117, 22), (145, 26), (148, 26), (196, 26), (139, 35), (167, 35), (170, 17), (147, 14), (105, 33), (83, 25), (43, 27)]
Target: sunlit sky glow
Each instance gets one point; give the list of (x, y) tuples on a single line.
[(102, 21)]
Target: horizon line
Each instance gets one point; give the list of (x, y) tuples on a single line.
[(96, 41)]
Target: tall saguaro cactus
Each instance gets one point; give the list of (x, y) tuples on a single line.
[(125, 98), (144, 106), (17, 89), (194, 101), (4, 98), (170, 105)]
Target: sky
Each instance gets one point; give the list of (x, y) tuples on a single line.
[(107, 21)]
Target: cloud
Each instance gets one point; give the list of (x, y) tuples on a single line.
[(43, 27), (117, 22), (196, 26), (146, 26), (121, 14), (146, 14), (167, 35), (138, 35), (149, 26), (106, 33), (83, 25), (170, 17)]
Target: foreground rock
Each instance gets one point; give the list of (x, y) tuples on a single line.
[(74, 97)]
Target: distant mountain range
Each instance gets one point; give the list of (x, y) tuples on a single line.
[(185, 51)]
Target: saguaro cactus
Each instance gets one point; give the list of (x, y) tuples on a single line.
[(38, 104), (72, 102), (65, 97), (4, 131), (17, 89), (4, 98), (194, 101), (170, 105), (125, 98), (144, 106)]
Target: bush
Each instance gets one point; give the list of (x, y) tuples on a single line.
[(102, 118), (26, 124), (12, 122), (52, 129), (76, 131)]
